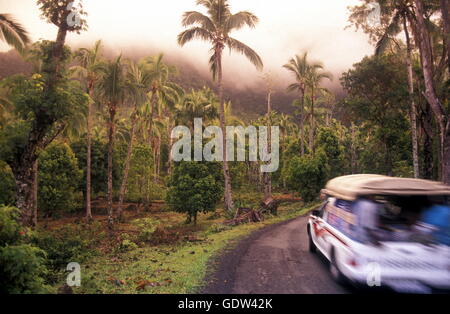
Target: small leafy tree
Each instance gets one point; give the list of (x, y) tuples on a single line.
[(59, 177), (195, 187), (307, 175), (22, 266)]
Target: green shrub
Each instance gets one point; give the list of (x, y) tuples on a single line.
[(217, 228), (22, 266), (328, 141), (127, 245), (7, 185), (22, 269), (9, 226), (146, 226), (68, 244), (307, 175), (195, 187), (59, 177)]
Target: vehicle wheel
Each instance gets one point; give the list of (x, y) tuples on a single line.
[(312, 246), (335, 272)]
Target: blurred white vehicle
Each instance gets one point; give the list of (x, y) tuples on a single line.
[(383, 231)]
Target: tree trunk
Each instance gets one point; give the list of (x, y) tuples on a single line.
[(56, 57), (23, 167), (423, 39), (170, 161), (302, 124), (267, 175), (311, 130), (112, 115), (412, 110), (23, 171), (89, 155), (123, 186), (158, 157), (427, 127), (152, 114), (353, 149), (228, 197), (445, 9), (24, 192)]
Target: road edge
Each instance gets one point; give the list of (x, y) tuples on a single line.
[(221, 269)]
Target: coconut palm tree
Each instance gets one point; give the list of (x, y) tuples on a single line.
[(90, 62), (13, 33), (160, 86), (230, 117), (215, 27), (138, 80), (112, 90), (314, 79), (176, 101), (299, 67), (286, 126), (196, 104)]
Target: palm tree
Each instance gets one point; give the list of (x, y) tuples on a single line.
[(138, 80), (112, 89), (299, 67), (169, 106), (90, 63), (314, 78), (267, 177), (230, 118), (13, 33), (285, 124), (196, 104), (160, 86), (215, 28)]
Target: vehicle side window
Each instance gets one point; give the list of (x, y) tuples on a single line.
[(341, 217)]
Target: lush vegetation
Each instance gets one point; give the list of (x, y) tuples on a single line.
[(86, 172)]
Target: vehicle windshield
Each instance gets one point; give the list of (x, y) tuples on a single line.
[(413, 219)]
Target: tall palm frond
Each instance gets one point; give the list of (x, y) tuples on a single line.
[(13, 33)]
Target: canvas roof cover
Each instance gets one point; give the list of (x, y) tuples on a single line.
[(352, 186)]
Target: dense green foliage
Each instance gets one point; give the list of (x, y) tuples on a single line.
[(195, 187), (59, 177), (307, 175), (22, 266)]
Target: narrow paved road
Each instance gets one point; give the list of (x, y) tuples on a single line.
[(273, 260)]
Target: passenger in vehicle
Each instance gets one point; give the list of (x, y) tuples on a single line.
[(436, 220), (367, 211)]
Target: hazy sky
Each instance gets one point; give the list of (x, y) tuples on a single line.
[(286, 27)]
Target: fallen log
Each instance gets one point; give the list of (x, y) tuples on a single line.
[(270, 204)]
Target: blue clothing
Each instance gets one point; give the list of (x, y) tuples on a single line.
[(438, 216)]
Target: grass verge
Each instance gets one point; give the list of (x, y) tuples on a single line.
[(172, 268)]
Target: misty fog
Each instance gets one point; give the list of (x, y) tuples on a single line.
[(286, 28)]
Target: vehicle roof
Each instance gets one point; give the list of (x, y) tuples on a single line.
[(353, 186)]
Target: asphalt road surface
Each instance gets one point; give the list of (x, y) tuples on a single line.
[(273, 260)]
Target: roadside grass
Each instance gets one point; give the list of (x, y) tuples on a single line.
[(178, 266)]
